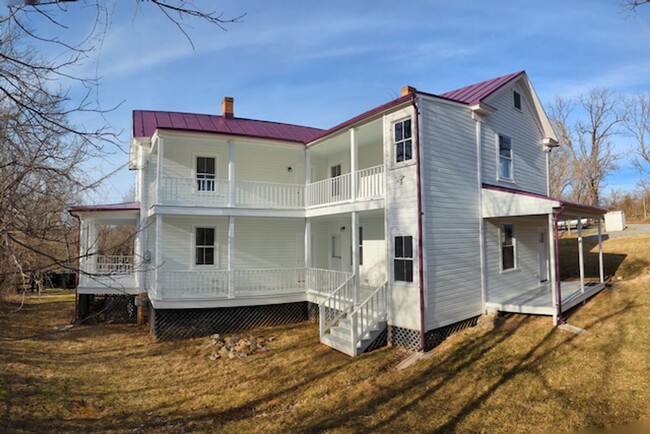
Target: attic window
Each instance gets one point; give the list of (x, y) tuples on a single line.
[(517, 100)]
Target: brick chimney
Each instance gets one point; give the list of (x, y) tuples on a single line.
[(408, 89), (227, 107)]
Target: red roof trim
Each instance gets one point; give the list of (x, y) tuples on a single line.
[(474, 93), (125, 206), (541, 196), (365, 115)]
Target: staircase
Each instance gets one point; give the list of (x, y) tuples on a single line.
[(351, 328)]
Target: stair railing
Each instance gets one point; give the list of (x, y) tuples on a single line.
[(367, 315), (337, 305)]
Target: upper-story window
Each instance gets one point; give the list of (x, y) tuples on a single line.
[(516, 100), (505, 158), (403, 140), (205, 247), (205, 173)]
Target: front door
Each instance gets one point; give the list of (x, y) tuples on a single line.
[(335, 252), (542, 254)]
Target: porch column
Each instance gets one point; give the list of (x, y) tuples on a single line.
[(159, 257), (307, 243), (232, 201), (231, 257), (91, 250), (159, 169), (83, 249), (353, 164), (355, 254), (306, 194), (601, 269), (581, 256), (553, 274)]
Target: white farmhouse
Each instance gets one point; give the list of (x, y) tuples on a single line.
[(401, 224)]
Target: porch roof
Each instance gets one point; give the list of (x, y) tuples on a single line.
[(506, 202), (116, 213)]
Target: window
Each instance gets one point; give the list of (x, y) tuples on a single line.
[(517, 100), (335, 172), (403, 141), (205, 173), (204, 246), (403, 261), (505, 158), (506, 232)]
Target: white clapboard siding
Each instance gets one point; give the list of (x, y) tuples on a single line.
[(269, 163), (178, 242), (180, 156), (503, 286), (267, 243), (451, 213), (529, 158)]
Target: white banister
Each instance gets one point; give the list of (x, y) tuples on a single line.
[(368, 315), (337, 305), (113, 264), (257, 194), (370, 182)]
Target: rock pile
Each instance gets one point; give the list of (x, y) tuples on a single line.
[(231, 347)]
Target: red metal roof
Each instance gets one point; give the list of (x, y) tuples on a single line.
[(125, 206), (564, 203), (146, 122), (474, 93)]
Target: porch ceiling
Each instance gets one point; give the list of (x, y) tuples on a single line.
[(499, 203)]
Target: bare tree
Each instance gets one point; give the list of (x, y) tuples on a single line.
[(637, 123), (41, 150), (561, 165)]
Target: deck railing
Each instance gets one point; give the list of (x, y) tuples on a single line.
[(370, 182), (194, 284), (113, 264), (325, 282), (194, 191), (269, 195), (260, 282)]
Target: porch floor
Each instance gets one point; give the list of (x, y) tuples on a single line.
[(539, 301)]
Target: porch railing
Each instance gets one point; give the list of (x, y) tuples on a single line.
[(194, 191), (370, 182), (324, 281), (194, 284), (337, 305), (262, 282), (269, 195), (113, 264), (331, 190)]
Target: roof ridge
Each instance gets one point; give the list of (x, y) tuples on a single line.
[(474, 93)]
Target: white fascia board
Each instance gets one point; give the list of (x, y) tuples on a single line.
[(196, 135)]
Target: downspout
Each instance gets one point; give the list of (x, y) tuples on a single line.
[(420, 247), (556, 240)]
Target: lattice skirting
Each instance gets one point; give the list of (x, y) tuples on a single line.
[(117, 309), (407, 338), (435, 337), (312, 311), (168, 324)]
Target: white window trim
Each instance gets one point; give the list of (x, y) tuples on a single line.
[(514, 249), (393, 144), (193, 264), (194, 174), (413, 259), (498, 157)]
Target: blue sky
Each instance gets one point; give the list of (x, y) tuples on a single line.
[(319, 63)]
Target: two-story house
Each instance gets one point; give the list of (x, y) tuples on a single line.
[(402, 223)]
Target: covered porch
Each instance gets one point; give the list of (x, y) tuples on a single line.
[(525, 226)]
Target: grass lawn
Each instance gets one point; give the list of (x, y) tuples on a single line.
[(522, 376)]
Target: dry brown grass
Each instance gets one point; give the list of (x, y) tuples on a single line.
[(522, 376)]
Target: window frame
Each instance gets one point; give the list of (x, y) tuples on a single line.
[(516, 95), (396, 143), (502, 246), (404, 260), (511, 158), (195, 247), (195, 174)]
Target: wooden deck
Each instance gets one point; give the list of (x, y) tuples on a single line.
[(538, 300)]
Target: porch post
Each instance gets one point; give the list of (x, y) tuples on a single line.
[(581, 256), (601, 269), (83, 249), (159, 169), (306, 194), (231, 257), (231, 174), (551, 237), (91, 250), (307, 243), (353, 164), (159, 257), (355, 254)]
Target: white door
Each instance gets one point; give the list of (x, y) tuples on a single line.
[(542, 254), (335, 252)]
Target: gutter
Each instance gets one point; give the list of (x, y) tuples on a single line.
[(556, 240), (420, 231)]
